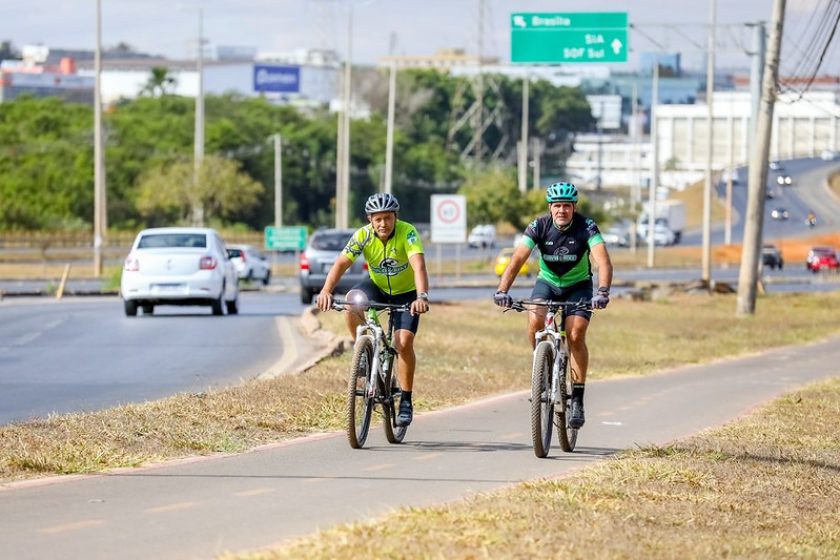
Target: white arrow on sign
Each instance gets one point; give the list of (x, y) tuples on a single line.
[(616, 46), (519, 21)]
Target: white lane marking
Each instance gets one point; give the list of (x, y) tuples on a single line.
[(381, 467), (427, 456), (605, 423), (66, 527), (171, 507), (253, 492)]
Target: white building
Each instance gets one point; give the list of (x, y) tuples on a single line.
[(801, 128)]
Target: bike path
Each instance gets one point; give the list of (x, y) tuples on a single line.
[(200, 508)]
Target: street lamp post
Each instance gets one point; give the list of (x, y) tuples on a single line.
[(99, 205)]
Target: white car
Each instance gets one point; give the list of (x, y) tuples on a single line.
[(482, 236), (179, 266), (662, 236), (250, 263)]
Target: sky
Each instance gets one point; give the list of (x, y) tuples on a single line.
[(170, 27)]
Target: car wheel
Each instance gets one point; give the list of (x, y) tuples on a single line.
[(233, 307), (130, 306), (306, 295), (267, 280), (218, 304)]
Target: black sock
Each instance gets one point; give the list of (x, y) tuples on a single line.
[(406, 396), (577, 391)]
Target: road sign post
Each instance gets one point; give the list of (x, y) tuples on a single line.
[(287, 238), (449, 225), (552, 38)]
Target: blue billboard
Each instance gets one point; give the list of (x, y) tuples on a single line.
[(273, 78)]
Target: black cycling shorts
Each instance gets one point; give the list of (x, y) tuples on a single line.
[(582, 291), (404, 320)]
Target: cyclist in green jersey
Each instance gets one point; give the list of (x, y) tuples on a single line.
[(397, 267), (565, 240)]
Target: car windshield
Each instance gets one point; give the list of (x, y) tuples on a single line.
[(235, 253), (167, 240), (329, 241)]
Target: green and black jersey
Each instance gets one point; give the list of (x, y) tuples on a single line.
[(564, 253)]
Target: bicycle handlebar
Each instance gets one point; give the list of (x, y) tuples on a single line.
[(343, 305), (523, 305)]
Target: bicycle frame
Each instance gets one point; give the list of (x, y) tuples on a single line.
[(383, 350), (561, 350)]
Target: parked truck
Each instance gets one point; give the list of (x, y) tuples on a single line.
[(669, 213)]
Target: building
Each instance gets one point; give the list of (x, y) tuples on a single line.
[(36, 77), (801, 128)]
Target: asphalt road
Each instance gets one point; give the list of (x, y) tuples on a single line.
[(84, 354), (807, 192), (198, 509)]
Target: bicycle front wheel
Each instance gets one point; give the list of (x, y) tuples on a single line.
[(565, 434), (542, 407), (359, 404), (393, 433)]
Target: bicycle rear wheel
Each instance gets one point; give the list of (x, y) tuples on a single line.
[(566, 435), (359, 404), (542, 409), (393, 433)]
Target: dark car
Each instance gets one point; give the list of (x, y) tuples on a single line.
[(822, 258), (316, 260), (771, 257)]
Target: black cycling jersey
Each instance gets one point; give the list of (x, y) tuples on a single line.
[(564, 253)]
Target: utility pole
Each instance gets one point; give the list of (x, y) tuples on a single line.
[(600, 152), (479, 89), (757, 185), (654, 171), (537, 148), (342, 218), (710, 119), (278, 181), (99, 206), (728, 231), (523, 141), (756, 72), (198, 156), (389, 137), (635, 194)]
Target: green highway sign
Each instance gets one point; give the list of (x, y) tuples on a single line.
[(552, 38), (288, 238)]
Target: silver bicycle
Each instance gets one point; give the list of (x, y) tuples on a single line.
[(551, 381), (372, 378)]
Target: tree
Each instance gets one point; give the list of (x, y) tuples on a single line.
[(160, 82), (170, 195), (8, 51), (493, 197)]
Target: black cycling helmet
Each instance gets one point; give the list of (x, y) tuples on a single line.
[(381, 202), (561, 192)]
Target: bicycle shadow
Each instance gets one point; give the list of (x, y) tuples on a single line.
[(492, 447)]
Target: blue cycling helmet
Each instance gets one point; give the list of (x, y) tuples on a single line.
[(561, 192), (381, 202)]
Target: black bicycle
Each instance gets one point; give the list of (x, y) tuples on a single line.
[(551, 382), (372, 379)]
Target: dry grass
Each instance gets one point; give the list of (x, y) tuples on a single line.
[(465, 351), (767, 486)]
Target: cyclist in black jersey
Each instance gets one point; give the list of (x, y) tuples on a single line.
[(565, 240)]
